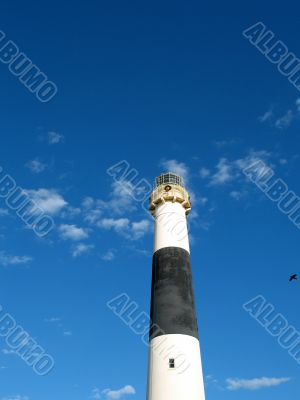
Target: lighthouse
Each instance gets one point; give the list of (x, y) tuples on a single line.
[(174, 369)]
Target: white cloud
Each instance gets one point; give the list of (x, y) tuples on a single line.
[(139, 229), (252, 158), (81, 248), (72, 232), (254, 384), (283, 161), (15, 397), (67, 333), (8, 351), (36, 166), (204, 172), (117, 394), (202, 201), (48, 200), (236, 194), (55, 137), (91, 210), (92, 216), (88, 202), (3, 212), (108, 256), (70, 212), (131, 230), (176, 167), (118, 224), (228, 171), (224, 173), (210, 380), (108, 214), (266, 116), (284, 121), (96, 394), (7, 259), (121, 200)]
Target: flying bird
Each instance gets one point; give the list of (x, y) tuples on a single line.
[(293, 278)]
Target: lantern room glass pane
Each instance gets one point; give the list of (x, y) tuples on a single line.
[(169, 178)]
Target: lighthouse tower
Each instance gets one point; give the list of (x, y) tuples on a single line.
[(175, 370)]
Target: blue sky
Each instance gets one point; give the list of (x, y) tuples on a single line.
[(162, 87)]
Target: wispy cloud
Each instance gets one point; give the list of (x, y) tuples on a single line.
[(3, 212), (81, 248), (252, 157), (210, 380), (237, 194), (55, 137), (229, 170), (8, 351), (120, 201), (8, 259), (204, 172), (118, 224), (285, 120), (15, 397), (267, 116), (117, 394), (283, 161), (96, 394), (58, 322), (224, 174), (49, 200), (125, 227), (140, 228), (108, 214), (254, 384), (177, 167), (108, 256), (70, 212), (72, 232), (112, 394), (121, 198), (36, 166)]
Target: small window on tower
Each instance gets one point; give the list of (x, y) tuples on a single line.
[(171, 363)]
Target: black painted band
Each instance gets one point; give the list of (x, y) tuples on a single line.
[(172, 296)]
